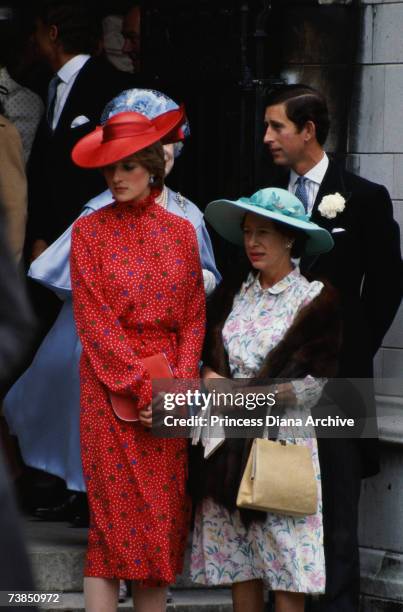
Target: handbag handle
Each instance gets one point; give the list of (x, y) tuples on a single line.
[(278, 411), (271, 433)]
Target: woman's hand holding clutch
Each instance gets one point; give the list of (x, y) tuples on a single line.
[(146, 417)]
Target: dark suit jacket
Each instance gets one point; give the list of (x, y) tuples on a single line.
[(365, 257), (58, 189)]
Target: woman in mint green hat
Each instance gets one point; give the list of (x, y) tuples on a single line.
[(256, 316), (279, 207)]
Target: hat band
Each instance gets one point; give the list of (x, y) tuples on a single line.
[(126, 130), (274, 204)]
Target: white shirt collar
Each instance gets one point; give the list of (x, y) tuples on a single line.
[(253, 281), (315, 174), (70, 68)]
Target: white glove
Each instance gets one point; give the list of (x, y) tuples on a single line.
[(209, 281)]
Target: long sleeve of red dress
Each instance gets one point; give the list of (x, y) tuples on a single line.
[(104, 340)]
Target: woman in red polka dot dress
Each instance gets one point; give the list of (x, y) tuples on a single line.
[(137, 291)]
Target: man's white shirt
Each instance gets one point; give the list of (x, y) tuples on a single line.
[(314, 179), (68, 74)]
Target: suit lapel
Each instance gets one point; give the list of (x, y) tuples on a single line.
[(332, 182), (75, 96)]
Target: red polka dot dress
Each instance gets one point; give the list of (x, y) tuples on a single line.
[(137, 291)]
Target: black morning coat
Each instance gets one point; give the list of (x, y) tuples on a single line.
[(58, 188), (365, 266)]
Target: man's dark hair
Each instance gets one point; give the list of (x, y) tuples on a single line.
[(78, 25), (303, 103)]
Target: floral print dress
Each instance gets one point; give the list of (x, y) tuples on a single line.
[(285, 552)]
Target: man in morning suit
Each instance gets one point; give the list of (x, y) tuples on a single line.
[(67, 35), (367, 247)]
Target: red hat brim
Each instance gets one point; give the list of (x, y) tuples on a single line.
[(92, 151)]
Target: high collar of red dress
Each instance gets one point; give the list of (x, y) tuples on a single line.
[(142, 205)]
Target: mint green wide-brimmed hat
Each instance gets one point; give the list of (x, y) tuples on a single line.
[(272, 203)]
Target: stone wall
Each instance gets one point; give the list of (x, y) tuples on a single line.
[(376, 131), (374, 144), (375, 147)]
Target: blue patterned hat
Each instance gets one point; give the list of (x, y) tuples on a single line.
[(148, 102), (272, 203)]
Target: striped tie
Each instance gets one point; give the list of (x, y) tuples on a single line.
[(300, 191)]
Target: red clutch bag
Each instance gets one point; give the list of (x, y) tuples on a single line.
[(124, 407)]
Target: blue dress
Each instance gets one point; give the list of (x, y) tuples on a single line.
[(43, 407)]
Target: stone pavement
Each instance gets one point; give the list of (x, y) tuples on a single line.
[(57, 554)]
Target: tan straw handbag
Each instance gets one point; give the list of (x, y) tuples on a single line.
[(279, 477)]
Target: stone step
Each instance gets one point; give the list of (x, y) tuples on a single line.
[(382, 577), (374, 604), (57, 553), (201, 600)]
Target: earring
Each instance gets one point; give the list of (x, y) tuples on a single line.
[(289, 245), (152, 180)]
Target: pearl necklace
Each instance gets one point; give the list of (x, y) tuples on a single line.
[(162, 199)]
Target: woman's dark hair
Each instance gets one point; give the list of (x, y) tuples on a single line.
[(77, 22), (303, 103), (152, 159), (235, 272), (297, 237)]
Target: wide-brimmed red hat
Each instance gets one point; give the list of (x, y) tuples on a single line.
[(125, 134)]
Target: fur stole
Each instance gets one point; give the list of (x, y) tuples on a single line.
[(310, 346)]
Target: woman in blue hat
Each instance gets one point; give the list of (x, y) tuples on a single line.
[(49, 438), (266, 321)]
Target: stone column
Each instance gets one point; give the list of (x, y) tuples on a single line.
[(375, 149)]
